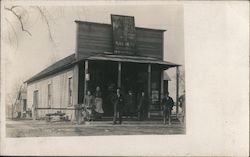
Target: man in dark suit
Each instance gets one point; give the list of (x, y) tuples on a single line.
[(167, 104), (142, 104), (130, 104), (118, 103)]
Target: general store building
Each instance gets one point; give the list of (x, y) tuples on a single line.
[(109, 56)]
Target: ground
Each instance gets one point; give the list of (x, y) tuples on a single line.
[(41, 128)]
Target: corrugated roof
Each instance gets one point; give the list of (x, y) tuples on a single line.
[(54, 68)]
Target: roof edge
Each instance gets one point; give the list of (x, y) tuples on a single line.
[(107, 24), (53, 70)]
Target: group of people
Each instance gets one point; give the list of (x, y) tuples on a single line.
[(126, 105), (167, 104), (92, 106)]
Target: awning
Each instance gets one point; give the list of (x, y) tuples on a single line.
[(166, 76), (131, 59)]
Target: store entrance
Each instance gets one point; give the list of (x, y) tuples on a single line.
[(134, 78), (105, 75)]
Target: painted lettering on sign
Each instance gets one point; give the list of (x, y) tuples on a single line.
[(124, 35)]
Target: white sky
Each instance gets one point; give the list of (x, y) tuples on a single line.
[(34, 53)]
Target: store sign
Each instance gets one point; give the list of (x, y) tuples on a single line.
[(87, 77), (124, 36), (155, 95)]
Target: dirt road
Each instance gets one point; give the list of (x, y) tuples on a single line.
[(30, 128)]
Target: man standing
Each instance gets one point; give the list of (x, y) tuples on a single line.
[(118, 102), (141, 106), (167, 103), (183, 107), (130, 104)]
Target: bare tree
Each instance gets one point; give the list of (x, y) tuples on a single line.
[(181, 79), (21, 21), (12, 97)]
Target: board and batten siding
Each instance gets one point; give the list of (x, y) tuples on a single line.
[(94, 38), (59, 92)]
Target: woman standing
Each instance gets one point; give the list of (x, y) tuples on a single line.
[(98, 102)]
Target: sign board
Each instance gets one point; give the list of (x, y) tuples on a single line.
[(124, 35), (87, 77), (155, 95)]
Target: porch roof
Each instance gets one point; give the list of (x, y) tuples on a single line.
[(70, 60), (132, 59)]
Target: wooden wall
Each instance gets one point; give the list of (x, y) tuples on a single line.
[(95, 38), (60, 89), (149, 43)]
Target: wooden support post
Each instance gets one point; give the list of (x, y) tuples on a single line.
[(177, 90), (75, 90), (119, 74), (162, 85), (149, 87), (85, 74)]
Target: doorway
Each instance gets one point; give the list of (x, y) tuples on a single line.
[(104, 74)]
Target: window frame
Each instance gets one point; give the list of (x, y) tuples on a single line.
[(70, 91)]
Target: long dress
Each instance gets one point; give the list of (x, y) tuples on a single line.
[(98, 102), (89, 103)]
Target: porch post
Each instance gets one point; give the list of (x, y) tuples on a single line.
[(177, 90), (162, 85), (85, 74), (119, 74), (149, 87), (75, 90)]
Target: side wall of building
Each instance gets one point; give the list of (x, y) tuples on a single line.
[(59, 93)]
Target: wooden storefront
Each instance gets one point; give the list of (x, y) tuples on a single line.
[(106, 61), (109, 56)]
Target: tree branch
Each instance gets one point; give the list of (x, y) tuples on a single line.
[(46, 21), (13, 30), (18, 17)]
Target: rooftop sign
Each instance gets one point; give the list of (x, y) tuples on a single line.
[(124, 36)]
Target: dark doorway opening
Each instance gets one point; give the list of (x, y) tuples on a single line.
[(104, 74)]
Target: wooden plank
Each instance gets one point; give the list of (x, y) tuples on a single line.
[(119, 74), (149, 84), (87, 44), (149, 40), (97, 38), (93, 49)]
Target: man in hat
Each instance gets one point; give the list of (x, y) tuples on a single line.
[(167, 104)]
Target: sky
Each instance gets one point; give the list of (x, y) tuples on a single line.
[(27, 55)]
